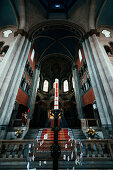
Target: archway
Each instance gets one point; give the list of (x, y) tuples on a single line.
[(70, 114), (39, 116)]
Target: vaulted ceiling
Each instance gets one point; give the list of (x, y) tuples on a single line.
[(74, 17), (10, 10), (56, 40)]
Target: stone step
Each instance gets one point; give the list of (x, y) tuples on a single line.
[(78, 134), (33, 133)]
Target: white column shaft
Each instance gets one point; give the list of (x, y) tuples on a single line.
[(13, 73), (94, 81)]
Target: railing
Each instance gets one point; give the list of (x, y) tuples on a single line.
[(89, 122), (41, 150), (11, 149)]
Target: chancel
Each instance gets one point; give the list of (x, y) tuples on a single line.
[(56, 84)]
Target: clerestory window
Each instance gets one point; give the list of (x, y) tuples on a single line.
[(46, 86), (32, 55), (80, 55), (65, 85)]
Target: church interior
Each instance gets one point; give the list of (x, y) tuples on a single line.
[(56, 84)]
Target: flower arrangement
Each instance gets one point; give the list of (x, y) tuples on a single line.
[(18, 133), (91, 132)]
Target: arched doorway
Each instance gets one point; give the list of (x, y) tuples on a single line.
[(71, 115), (39, 116)]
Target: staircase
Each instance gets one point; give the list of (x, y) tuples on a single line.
[(33, 134), (49, 134), (36, 154), (64, 134), (78, 134)]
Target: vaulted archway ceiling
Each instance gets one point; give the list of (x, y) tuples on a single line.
[(56, 66), (58, 41)]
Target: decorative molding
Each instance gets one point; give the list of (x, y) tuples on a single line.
[(90, 33), (22, 32), (47, 25)]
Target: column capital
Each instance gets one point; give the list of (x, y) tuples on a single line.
[(21, 32), (90, 33)]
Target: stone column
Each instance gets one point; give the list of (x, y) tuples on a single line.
[(11, 73), (77, 92), (101, 74), (34, 90)]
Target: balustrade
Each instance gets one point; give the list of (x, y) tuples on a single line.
[(86, 123), (94, 149)]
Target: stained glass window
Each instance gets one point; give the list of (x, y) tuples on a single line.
[(32, 55), (80, 55), (66, 88), (45, 86)]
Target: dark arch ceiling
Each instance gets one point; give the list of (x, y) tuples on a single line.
[(56, 66), (56, 41)]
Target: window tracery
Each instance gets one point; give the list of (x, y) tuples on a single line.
[(107, 49), (111, 45), (4, 50), (7, 33), (106, 33), (1, 46)]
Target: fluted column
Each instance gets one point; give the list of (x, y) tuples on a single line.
[(11, 73), (101, 74), (77, 92), (34, 90)]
